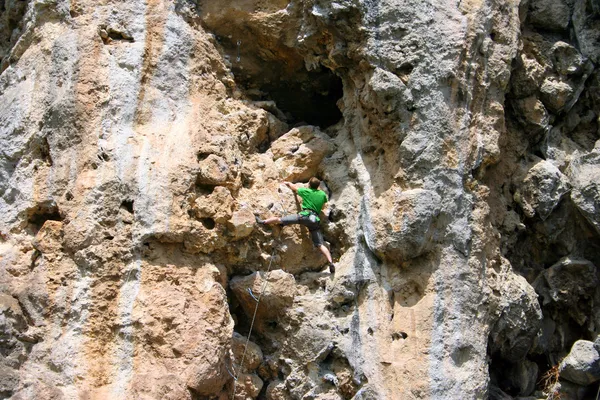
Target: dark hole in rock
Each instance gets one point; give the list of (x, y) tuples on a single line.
[(45, 151), (399, 335), (203, 189), (201, 156), (68, 196), (539, 154), (103, 156), (47, 211), (264, 146), (127, 205), (208, 223), (272, 324), (247, 179)]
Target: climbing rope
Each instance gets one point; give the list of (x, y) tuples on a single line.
[(257, 300)]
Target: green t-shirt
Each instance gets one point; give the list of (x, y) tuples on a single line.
[(312, 199)]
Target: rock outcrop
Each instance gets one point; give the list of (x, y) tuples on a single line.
[(458, 144)]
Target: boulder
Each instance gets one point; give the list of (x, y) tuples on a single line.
[(531, 112), (523, 376), (253, 356), (390, 92), (566, 59), (582, 365), (217, 205), (241, 224), (555, 94), (566, 283), (248, 386), (214, 170), (551, 15), (277, 391), (299, 152), (277, 295), (400, 225), (519, 319), (527, 76), (587, 30), (564, 389), (49, 238), (9, 380), (583, 173), (542, 189)]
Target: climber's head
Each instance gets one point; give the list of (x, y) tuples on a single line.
[(314, 183)]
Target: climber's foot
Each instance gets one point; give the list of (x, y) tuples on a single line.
[(331, 268), (258, 220)]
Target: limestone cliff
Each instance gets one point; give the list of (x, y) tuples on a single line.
[(458, 142)]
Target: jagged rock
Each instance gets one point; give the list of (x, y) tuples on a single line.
[(120, 118), (567, 283), (583, 172), (277, 391), (550, 14), (585, 17), (555, 94), (9, 380), (242, 223), (49, 238), (299, 152), (217, 205), (277, 127), (566, 59), (519, 320), (495, 393), (253, 356), (527, 76), (276, 297), (569, 390), (542, 189), (531, 112), (248, 386), (582, 365), (390, 92), (214, 170), (400, 225), (524, 376)]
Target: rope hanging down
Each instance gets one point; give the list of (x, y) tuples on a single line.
[(257, 300)]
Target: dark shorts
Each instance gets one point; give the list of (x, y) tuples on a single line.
[(309, 221)]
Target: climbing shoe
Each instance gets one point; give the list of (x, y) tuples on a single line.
[(332, 268), (258, 220)]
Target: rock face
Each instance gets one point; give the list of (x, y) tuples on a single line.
[(458, 145)]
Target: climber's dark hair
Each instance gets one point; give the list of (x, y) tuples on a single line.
[(314, 183)]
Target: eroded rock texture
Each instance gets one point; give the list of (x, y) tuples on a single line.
[(458, 142)]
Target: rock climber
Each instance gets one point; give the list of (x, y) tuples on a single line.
[(313, 200)]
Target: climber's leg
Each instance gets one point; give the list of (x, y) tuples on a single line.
[(317, 238)]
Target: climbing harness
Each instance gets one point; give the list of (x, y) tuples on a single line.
[(257, 300)]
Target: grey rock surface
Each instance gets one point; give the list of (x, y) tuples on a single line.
[(582, 365), (457, 143)]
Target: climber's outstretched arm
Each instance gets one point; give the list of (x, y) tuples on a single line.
[(292, 187)]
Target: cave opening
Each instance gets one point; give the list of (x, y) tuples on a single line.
[(304, 97), (307, 97), (42, 212), (311, 99)]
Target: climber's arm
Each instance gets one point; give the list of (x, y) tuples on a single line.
[(292, 187)]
